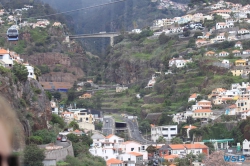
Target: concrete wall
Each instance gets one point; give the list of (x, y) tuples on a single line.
[(49, 162), (88, 126), (59, 154)]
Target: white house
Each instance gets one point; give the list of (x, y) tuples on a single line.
[(238, 45), (220, 37), (54, 107), (97, 139), (223, 25), (193, 97), (223, 53), (109, 148), (243, 31), (246, 147), (178, 62), (132, 146), (132, 158), (245, 114), (246, 52), (158, 23), (168, 132), (136, 31), (31, 73), (5, 58)]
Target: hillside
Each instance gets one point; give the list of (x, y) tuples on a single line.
[(125, 15), (28, 99), (45, 46)]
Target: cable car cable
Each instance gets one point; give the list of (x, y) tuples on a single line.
[(90, 7)]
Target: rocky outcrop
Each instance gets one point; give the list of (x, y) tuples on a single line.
[(29, 101), (126, 71)]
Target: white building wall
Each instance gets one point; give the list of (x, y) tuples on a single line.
[(168, 132)]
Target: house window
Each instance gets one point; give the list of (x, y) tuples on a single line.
[(132, 149), (172, 129)]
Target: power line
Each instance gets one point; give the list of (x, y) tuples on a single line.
[(77, 9)]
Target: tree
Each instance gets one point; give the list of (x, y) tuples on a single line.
[(35, 140), (37, 72), (151, 149), (161, 140), (33, 156), (98, 125), (217, 159), (163, 38), (57, 119), (176, 140), (144, 126), (210, 146), (74, 124), (166, 119), (48, 136), (20, 71), (186, 33), (57, 95)]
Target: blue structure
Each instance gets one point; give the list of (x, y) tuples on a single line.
[(12, 34)]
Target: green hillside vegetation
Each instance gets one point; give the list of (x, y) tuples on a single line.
[(171, 92)]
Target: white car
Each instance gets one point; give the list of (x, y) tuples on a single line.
[(64, 139)]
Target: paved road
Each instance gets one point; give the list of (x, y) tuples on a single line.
[(108, 125), (64, 144), (135, 133)]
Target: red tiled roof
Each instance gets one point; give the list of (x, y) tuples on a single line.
[(193, 95), (202, 110), (195, 146), (135, 154), (3, 51), (233, 106), (109, 136), (170, 156), (113, 161), (189, 127), (177, 146)]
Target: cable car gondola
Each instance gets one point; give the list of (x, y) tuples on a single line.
[(12, 34)]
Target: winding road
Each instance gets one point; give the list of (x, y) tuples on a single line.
[(135, 132), (108, 125)]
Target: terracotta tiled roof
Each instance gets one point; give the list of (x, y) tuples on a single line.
[(233, 106), (3, 51), (193, 95), (177, 146), (235, 51), (202, 110), (167, 157), (195, 146), (135, 154), (67, 113), (109, 136), (128, 142), (113, 161), (187, 127)]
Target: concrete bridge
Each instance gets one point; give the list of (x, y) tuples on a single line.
[(110, 35)]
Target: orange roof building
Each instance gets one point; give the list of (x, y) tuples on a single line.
[(192, 97), (3, 51), (170, 157), (189, 127), (113, 162), (135, 154), (202, 113)]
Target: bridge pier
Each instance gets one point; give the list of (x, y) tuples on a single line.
[(112, 41)]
